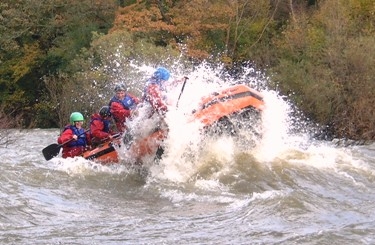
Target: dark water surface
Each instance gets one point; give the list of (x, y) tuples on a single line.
[(312, 194)]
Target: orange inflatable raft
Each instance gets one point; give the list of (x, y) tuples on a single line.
[(213, 108), (105, 153)]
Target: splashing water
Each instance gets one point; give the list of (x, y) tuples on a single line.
[(207, 188), (187, 150), (275, 125), (193, 156)]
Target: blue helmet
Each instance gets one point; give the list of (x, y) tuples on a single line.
[(162, 74)]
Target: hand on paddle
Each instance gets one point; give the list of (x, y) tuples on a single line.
[(53, 150)]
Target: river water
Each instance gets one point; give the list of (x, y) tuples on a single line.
[(288, 189)]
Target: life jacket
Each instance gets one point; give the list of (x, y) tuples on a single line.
[(128, 102), (81, 140), (158, 82), (106, 123)]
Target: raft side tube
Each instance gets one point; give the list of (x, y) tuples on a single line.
[(229, 101)]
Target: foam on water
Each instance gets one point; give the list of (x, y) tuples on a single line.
[(188, 151), (79, 166), (189, 155)]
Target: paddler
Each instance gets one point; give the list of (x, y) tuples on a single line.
[(78, 137)]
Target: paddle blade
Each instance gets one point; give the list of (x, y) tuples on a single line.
[(51, 151)]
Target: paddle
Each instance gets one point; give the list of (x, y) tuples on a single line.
[(182, 90), (54, 149), (96, 142)]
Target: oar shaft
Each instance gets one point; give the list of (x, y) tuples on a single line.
[(182, 90)]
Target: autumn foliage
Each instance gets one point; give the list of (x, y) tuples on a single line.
[(320, 54)]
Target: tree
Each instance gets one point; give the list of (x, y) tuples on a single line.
[(326, 66), (40, 38), (233, 30)]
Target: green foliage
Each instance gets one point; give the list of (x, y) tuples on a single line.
[(56, 58), (41, 38), (326, 65), (45, 115)]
